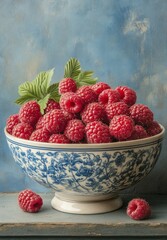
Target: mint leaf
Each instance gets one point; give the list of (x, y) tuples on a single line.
[(43, 103), (72, 68)]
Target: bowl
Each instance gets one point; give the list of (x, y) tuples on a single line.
[(87, 178)]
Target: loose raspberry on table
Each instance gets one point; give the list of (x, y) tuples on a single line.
[(121, 127), (138, 133), (141, 114), (93, 112), (58, 138), (67, 85), (12, 121), (40, 135), (99, 87), (97, 132), (51, 105), (127, 95), (29, 201), (75, 130), (138, 209), (117, 108), (22, 130), (30, 112), (153, 129), (87, 94), (54, 121), (108, 96), (71, 102)]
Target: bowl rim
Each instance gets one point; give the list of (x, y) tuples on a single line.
[(157, 137)]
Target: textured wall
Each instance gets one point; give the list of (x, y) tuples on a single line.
[(123, 41)]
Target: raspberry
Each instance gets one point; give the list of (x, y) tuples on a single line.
[(97, 132), (58, 138), (121, 127), (71, 102), (40, 135), (54, 121), (29, 201), (69, 116), (99, 87), (138, 133), (117, 108), (153, 129), (92, 112), (128, 95), (87, 94), (22, 130), (12, 121), (51, 105), (40, 123), (30, 112), (138, 209), (67, 85), (108, 96), (75, 130), (141, 114)]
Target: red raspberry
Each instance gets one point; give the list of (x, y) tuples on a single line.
[(22, 130), (99, 87), (128, 95), (138, 133), (40, 135), (92, 112), (121, 127), (69, 115), (87, 94), (108, 96), (138, 209), (71, 102), (67, 85), (153, 129), (54, 121), (29, 201), (51, 105), (40, 123), (12, 121), (141, 114), (75, 130), (97, 132), (58, 138), (117, 108), (30, 112)]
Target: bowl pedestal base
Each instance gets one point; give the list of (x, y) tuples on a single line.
[(88, 206)]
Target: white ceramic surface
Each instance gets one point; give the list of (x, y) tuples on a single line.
[(87, 177)]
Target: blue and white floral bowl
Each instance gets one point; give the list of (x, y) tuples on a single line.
[(87, 177)]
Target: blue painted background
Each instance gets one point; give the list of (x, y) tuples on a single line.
[(123, 41)]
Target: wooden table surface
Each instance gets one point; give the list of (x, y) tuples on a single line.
[(49, 223)]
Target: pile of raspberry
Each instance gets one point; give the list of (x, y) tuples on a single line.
[(88, 114)]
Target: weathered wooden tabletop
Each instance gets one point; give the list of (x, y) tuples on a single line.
[(49, 223)]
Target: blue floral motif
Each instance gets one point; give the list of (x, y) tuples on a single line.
[(86, 172)]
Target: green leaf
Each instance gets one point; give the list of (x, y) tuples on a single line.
[(72, 68), (23, 99), (53, 90), (85, 78), (43, 103), (42, 82), (35, 90)]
